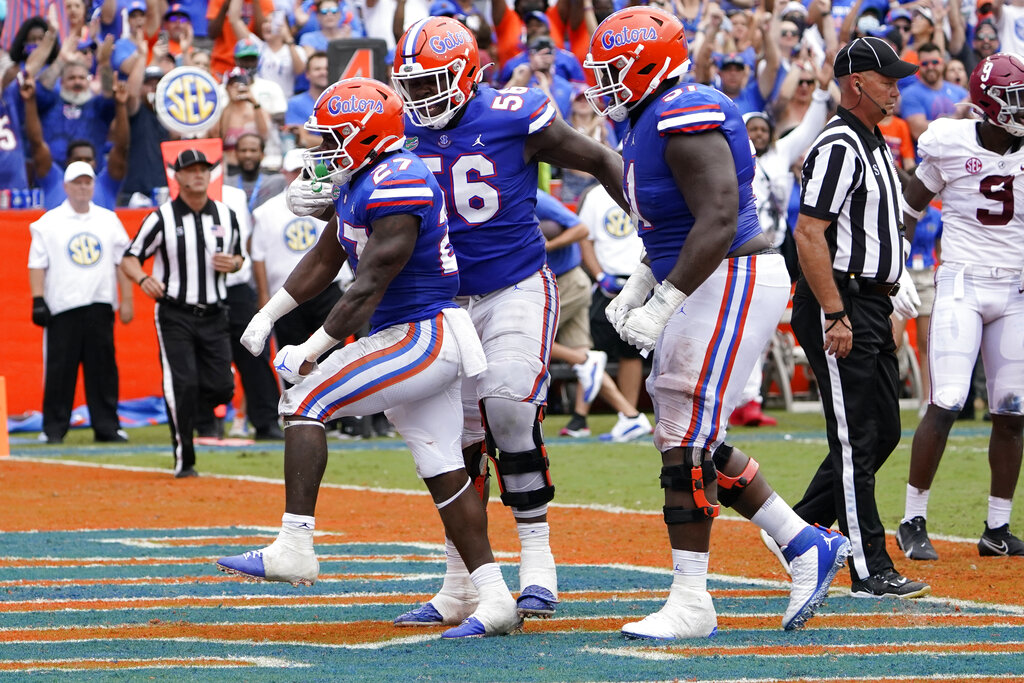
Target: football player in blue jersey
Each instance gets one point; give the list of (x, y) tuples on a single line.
[(483, 145), (718, 293), (392, 227)]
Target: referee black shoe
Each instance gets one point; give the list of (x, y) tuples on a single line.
[(912, 538), (999, 542), (889, 583)]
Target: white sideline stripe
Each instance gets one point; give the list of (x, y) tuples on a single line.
[(664, 656), (373, 489), (161, 663)]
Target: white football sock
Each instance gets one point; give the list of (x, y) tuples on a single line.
[(916, 505), (297, 532), (998, 511), (690, 569), (778, 520)]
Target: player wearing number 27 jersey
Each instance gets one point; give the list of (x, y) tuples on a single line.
[(483, 146)]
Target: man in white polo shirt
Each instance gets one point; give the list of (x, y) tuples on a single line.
[(74, 279)]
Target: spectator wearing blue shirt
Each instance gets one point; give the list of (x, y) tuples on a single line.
[(334, 20), (538, 71), (567, 65), (74, 112), (930, 97), (126, 18), (300, 106), (109, 179)]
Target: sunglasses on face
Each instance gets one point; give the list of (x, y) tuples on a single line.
[(805, 81), (789, 34), (333, 10), (931, 62), (905, 28), (986, 38), (177, 19)]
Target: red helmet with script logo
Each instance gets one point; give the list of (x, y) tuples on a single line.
[(997, 84), (436, 68), (359, 119), (632, 52)]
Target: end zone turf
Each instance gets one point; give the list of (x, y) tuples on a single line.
[(110, 571)]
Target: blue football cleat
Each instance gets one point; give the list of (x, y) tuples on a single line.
[(814, 556), (470, 628), (536, 601), (249, 564), (424, 615)]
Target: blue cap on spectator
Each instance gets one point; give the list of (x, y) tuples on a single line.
[(247, 47), (136, 6), (880, 7), (124, 48), (731, 58), (445, 8), (176, 9), (898, 13), (539, 16)]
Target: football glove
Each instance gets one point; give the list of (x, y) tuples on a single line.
[(642, 326), (633, 294), (906, 301), (308, 197)]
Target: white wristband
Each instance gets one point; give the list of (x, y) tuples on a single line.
[(317, 345), (279, 305)]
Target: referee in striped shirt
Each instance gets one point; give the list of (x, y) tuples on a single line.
[(194, 241), (849, 240)]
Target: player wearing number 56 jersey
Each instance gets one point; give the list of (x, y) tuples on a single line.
[(484, 145), (977, 168), (393, 230)]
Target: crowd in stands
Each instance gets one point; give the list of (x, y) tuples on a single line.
[(79, 81)]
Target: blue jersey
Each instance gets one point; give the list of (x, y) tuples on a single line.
[(12, 148), (492, 221), (401, 184), (665, 219)]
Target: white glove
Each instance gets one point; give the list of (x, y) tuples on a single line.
[(288, 361), (906, 301), (307, 197), (256, 332), (642, 326), (633, 294)]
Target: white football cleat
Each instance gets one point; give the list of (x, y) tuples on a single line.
[(688, 613), (274, 563)]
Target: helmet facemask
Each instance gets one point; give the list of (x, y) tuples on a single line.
[(446, 82), (336, 164), (1011, 107), (610, 87)]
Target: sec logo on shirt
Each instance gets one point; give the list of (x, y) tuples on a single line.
[(85, 249), (300, 234)]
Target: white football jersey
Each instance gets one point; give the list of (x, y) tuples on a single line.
[(982, 194)]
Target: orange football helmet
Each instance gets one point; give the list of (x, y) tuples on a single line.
[(359, 119), (632, 52), (436, 70)]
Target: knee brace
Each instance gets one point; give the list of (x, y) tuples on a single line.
[(475, 457), (730, 488), (693, 479), (507, 464)]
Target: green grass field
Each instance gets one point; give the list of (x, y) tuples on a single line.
[(623, 475)]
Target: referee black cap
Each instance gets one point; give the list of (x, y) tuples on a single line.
[(190, 157), (872, 54)]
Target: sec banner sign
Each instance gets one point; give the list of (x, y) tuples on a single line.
[(188, 101)]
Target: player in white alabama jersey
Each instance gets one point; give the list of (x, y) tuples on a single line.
[(977, 168)]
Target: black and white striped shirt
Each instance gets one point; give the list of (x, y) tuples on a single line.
[(184, 242), (849, 178)]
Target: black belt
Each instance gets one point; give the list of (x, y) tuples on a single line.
[(857, 284), (198, 310)]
